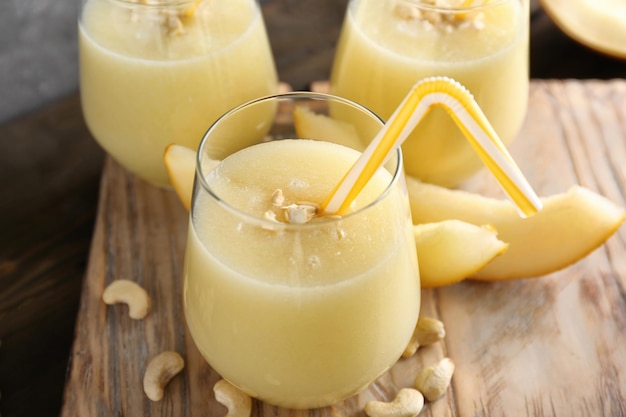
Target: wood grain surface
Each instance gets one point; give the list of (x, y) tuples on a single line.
[(47, 214), (50, 168), (552, 346)]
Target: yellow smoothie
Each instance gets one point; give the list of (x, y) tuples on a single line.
[(299, 315), (149, 78), (386, 46)]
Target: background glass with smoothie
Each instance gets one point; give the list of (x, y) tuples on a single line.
[(160, 72), (386, 46), (297, 308)]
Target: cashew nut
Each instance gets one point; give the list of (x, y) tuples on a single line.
[(278, 198), (427, 331), (130, 293), (239, 403), (435, 380), (160, 370), (408, 403)]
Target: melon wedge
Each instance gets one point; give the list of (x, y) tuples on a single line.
[(452, 250), (597, 24), (180, 163), (569, 227), (310, 125)]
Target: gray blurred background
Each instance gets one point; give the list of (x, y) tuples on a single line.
[(38, 54)]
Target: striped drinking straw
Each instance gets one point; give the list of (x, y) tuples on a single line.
[(461, 106)]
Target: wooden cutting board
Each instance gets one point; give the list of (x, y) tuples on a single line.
[(554, 346)]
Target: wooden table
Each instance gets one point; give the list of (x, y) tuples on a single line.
[(50, 170)]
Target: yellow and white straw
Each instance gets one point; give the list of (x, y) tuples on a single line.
[(461, 106)]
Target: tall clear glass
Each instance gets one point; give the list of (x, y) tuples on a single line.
[(296, 308), (386, 46), (153, 72)]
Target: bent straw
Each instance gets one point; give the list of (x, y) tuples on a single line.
[(461, 106)]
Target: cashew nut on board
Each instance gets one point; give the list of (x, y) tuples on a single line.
[(435, 380), (130, 293), (427, 331), (160, 370), (238, 403), (408, 403)]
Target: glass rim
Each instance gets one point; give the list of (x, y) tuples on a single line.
[(456, 9), (200, 177)]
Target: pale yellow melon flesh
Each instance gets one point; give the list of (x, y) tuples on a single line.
[(597, 24), (310, 125), (451, 250), (570, 226), (180, 163)]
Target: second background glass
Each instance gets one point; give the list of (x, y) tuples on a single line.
[(155, 73), (386, 46)]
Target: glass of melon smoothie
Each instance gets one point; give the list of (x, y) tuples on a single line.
[(297, 307), (386, 46), (154, 72)]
